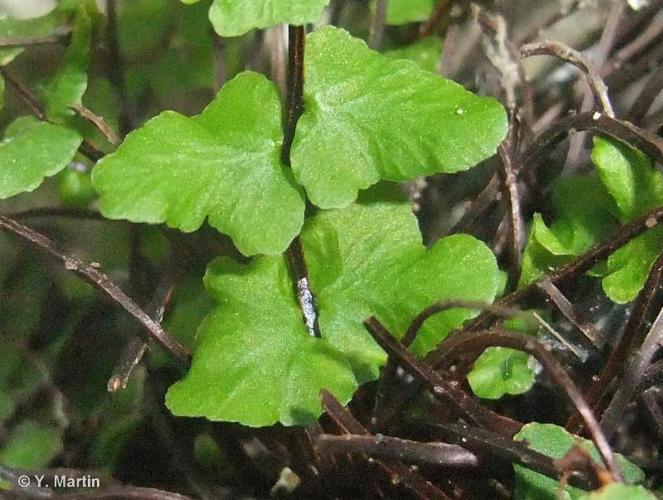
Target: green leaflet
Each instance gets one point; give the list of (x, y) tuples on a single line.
[(31, 446), (255, 362), (499, 371), (619, 491), (589, 210), (31, 151), (233, 18), (70, 83), (223, 164), (408, 11), (425, 52), (13, 28), (555, 442), (368, 117)]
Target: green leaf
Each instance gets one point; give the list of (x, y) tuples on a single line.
[(409, 11), (629, 176), (368, 117), (620, 491), (223, 164), (588, 212), (628, 267), (499, 371), (68, 87), (11, 27), (555, 442), (232, 18), (31, 446), (255, 361), (425, 52), (31, 151)]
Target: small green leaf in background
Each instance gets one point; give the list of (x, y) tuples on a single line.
[(223, 164), (31, 445), (70, 83), (409, 11), (368, 117), (233, 18), (13, 28), (499, 371), (255, 362), (588, 211), (425, 52), (31, 151), (555, 442), (620, 491)]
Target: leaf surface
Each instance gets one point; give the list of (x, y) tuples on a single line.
[(31, 151), (408, 11), (70, 83), (368, 117), (555, 442), (223, 164), (499, 371), (233, 18), (255, 362), (589, 210), (425, 52)]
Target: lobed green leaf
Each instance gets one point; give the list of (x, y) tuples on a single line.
[(223, 164), (232, 18), (368, 117), (31, 151), (255, 361)]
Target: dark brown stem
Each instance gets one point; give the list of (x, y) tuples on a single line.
[(404, 476), (101, 125), (295, 94), (464, 404), (100, 281), (572, 56), (32, 103), (514, 217), (569, 311), (115, 67), (636, 369), (477, 342), (27, 41), (393, 448), (581, 264), (631, 337), (482, 442), (428, 27)]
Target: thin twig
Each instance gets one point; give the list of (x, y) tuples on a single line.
[(579, 265), (557, 335), (32, 103), (482, 441), (569, 311), (295, 93), (631, 336), (637, 366), (100, 281), (101, 125), (388, 377), (394, 448), (414, 482), (58, 36), (427, 27), (646, 98), (572, 56), (514, 217), (467, 406), (476, 342)]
